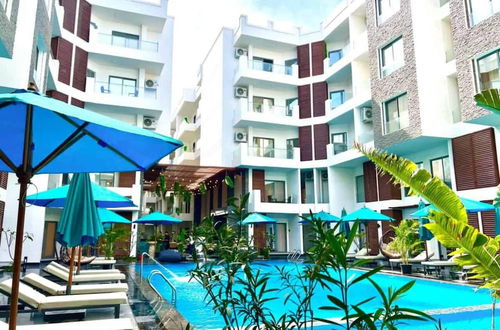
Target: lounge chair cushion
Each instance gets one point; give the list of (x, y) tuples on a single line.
[(85, 271), (103, 262), (28, 295), (63, 275), (113, 324), (377, 257), (44, 284), (421, 257)]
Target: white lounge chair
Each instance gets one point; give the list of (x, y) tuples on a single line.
[(421, 257), (54, 289), (81, 278), (362, 252), (85, 271), (38, 301), (102, 261), (439, 264), (110, 324)]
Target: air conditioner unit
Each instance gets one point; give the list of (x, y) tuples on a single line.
[(149, 83), (366, 115), (240, 92), (339, 147), (240, 52), (149, 122), (240, 136)]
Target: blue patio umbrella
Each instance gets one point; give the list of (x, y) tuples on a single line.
[(79, 224), (56, 197), (106, 216), (40, 135), (471, 206), (322, 215), (257, 218), (158, 218), (344, 225)]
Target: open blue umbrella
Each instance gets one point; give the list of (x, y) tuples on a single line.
[(56, 197), (107, 216), (366, 214), (39, 135), (158, 218), (323, 216), (471, 206), (256, 218)]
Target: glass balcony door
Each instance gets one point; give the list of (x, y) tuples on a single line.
[(264, 147), (123, 86), (263, 104), (123, 39), (263, 64), (275, 191)]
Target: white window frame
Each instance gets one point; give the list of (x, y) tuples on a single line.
[(394, 7), (476, 67), (388, 69), (384, 113), (492, 5)]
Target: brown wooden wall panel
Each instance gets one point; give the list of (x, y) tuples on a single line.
[(259, 236), (387, 225), (77, 102), (317, 57), (387, 189), (370, 178), (473, 220), (321, 138), (372, 237), (126, 179), (303, 61), (69, 14), (305, 143), (63, 51), (4, 178), (58, 95), (304, 99), (488, 220), (80, 69), (259, 183), (320, 94), (475, 160), (84, 11)]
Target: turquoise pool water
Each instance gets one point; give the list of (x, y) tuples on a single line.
[(426, 295)]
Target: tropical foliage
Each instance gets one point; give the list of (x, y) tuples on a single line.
[(111, 236), (405, 241), (489, 99)]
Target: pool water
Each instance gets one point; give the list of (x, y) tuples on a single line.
[(426, 295)]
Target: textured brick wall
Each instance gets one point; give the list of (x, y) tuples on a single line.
[(470, 42), (402, 80)]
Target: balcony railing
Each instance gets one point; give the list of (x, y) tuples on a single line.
[(118, 41), (278, 110), (337, 103), (270, 152), (124, 90), (270, 67)]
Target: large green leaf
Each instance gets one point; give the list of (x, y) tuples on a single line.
[(421, 182), (489, 99)]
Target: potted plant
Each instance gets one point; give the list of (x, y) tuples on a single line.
[(109, 239), (405, 242)]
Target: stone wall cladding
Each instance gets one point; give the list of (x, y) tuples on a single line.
[(469, 43), (400, 81), (8, 27)]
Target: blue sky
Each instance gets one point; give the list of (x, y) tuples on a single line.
[(197, 23)]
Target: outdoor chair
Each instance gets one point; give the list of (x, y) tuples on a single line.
[(103, 262), (421, 257), (63, 275), (37, 301), (85, 271), (109, 324), (439, 265), (362, 252), (54, 289)]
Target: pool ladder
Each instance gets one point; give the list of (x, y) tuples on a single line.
[(294, 256), (156, 272)]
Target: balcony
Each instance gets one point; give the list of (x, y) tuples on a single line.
[(347, 156), (187, 157), (351, 51), (252, 71), (272, 157), (118, 41), (256, 205), (187, 130), (248, 113)]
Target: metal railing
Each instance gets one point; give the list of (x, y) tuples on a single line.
[(104, 87), (271, 67), (293, 256), (279, 110), (157, 272), (119, 41)]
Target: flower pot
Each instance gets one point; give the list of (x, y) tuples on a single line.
[(405, 269)]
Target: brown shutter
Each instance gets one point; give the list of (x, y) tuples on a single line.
[(126, 179), (84, 20), (387, 189), (77, 102), (475, 160), (370, 178), (321, 133), (80, 69), (303, 61), (305, 143), (372, 237), (259, 236), (69, 14), (387, 225), (320, 94), (317, 57), (58, 96), (258, 183), (63, 51), (488, 220), (473, 220), (304, 96), (4, 178)]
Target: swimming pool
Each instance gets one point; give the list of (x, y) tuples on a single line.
[(426, 295)]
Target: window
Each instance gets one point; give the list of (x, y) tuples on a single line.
[(262, 104), (482, 9), (396, 114), (90, 73), (386, 8), (123, 39), (275, 191), (337, 98), (262, 64), (339, 141), (489, 71), (288, 66), (39, 69), (392, 57), (407, 189), (440, 168), (105, 179), (290, 144), (334, 56), (291, 104), (263, 147), (122, 86), (360, 189)]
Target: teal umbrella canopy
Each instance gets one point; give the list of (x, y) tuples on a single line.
[(79, 224), (471, 206), (108, 216), (423, 233), (56, 197), (323, 216), (366, 214), (158, 218), (256, 218)]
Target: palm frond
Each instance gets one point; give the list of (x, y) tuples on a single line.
[(421, 182), (489, 99)]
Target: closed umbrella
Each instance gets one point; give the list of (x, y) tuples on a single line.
[(79, 224), (423, 233), (256, 218), (471, 206), (344, 225), (107, 216), (323, 216), (40, 135)]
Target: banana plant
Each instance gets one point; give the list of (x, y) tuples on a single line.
[(489, 99)]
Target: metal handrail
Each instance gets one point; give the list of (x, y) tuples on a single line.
[(173, 289)]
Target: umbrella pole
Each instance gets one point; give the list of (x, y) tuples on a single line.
[(426, 252), (79, 260), (71, 268), (16, 272)]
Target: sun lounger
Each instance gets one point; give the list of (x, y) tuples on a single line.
[(376, 257), (47, 286), (38, 301), (110, 324), (81, 278), (362, 252), (100, 261), (421, 257), (85, 271), (439, 264)]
